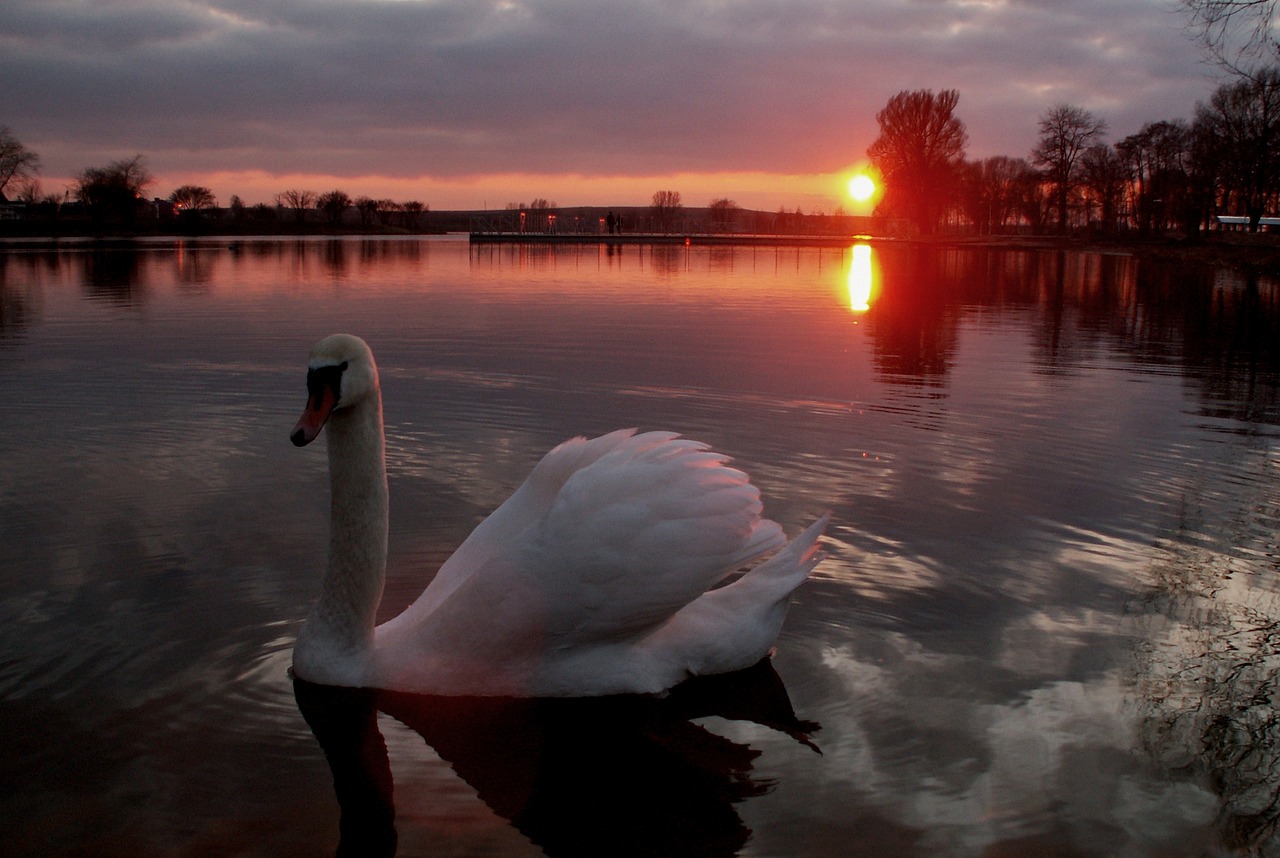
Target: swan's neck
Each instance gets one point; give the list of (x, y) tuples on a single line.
[(336, 641)]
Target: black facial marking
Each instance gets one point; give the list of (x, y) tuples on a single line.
[(323, 377)]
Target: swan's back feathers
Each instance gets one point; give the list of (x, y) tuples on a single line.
[(639, 533), (523, 510), (591, 514)]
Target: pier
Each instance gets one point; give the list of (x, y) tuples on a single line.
[(756, 240)]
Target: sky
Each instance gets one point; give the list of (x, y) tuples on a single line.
[(479, 103)]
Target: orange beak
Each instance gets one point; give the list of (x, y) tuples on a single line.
[(320, 404)]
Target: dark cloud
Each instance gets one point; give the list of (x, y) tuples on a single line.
[(408, 88)]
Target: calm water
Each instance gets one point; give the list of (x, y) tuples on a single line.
[(1047, 624)]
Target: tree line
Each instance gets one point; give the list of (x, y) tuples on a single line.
[(118, 191), (1170, 175)]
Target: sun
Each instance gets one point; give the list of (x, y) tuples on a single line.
[(862, 187)]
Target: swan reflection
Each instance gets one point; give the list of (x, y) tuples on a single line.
[(625, 775)]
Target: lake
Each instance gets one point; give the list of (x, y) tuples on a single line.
[(1047, 622)]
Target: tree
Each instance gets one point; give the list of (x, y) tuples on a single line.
[(27, 191), (413, 210), (723, 213), (1065, 133), (193, 198), (990, 191), (388, 211), (114, 190), (1157, 160), (368, 209), (17, 162), (297, 200), (1103, 176), (333, 204), (919, 152), (666, 206), (1236, 33), (1241, 127)]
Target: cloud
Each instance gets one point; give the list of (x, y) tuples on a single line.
[(449, 89)]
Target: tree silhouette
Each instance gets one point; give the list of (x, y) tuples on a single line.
[(1103, 176), (297, 200), (113, 191), (1236, 33), (193, 198), (368, 209), (991, 190), (666, 205), (919, 152), (723, 213), (413, 210), (17, 162), (1240, 128), (1065, 133), (333, 204), (1156, 159)]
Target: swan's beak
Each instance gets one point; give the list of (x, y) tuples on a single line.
[(320, 405)]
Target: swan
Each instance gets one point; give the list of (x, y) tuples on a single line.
[(602, 574)]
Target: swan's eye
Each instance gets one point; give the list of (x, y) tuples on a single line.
[(324, 380)]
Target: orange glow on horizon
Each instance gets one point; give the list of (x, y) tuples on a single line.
[(753, 190)]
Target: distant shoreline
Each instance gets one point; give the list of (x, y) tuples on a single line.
[(1252, 253)]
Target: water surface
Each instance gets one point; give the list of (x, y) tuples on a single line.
[(1046, 623)]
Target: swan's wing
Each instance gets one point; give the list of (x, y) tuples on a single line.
[(605, 540), (500, 535), (637, 534)]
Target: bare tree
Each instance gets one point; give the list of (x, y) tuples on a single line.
[(1240, 126), (1103, 177), (1237, 34), (413, 210), (990, 191), (724, 214), (193, 198), (333, 204), (114, 190), (297, 200), (1156, 159), (1033, 199), (368, 209), (919, 152), (1065, 133), (17, 162), (666, 206), (389, 211)]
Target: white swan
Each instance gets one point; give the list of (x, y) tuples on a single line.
[(595, 577)]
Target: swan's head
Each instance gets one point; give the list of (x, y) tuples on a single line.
[(340, 374)]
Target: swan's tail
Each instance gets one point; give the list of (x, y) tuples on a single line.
[(735, 626), (782, 573)]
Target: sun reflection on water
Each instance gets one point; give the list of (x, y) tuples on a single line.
[(861, 278)]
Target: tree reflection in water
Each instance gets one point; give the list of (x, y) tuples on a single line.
[(1208, 665), (602, 776)]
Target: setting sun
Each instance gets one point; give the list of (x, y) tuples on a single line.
[(862, 187)]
